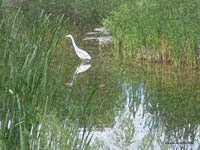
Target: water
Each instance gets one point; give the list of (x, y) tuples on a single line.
[(138, 106)]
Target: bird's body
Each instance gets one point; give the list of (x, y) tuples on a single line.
[(81, 53)]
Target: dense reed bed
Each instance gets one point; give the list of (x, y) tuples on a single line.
[(29, 118), (158, 31)]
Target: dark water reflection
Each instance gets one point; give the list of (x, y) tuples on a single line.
[(138, 106)]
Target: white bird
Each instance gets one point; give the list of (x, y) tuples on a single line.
[(81, 53)]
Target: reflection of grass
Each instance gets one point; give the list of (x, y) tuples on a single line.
[(147, 143), (174, 98), (27, 96)]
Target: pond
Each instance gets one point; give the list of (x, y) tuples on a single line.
[(137, 105)]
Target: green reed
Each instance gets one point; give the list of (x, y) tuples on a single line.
[(28, 115), (159, 31)]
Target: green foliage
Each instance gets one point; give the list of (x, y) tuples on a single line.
[(167, 28), (27, 95), (25, 58), (77, 11), (61, 135)]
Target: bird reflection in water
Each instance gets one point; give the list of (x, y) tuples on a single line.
[(80, 69)]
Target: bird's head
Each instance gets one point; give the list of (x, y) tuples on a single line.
[(68, 36)]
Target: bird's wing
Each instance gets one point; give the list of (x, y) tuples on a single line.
[(84, 55)]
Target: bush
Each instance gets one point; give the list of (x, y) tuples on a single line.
[(77, 11)]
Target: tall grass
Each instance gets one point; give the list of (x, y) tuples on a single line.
[(27, 120), (159, 31)]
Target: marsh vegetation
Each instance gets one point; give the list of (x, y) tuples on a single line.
[(119, 101), (157, 31)]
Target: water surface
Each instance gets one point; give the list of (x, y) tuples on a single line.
[(137, 106)]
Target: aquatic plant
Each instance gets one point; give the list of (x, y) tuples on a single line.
[(158, 31), (29, 101)]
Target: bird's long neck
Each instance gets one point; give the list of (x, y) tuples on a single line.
[(74, 44)]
